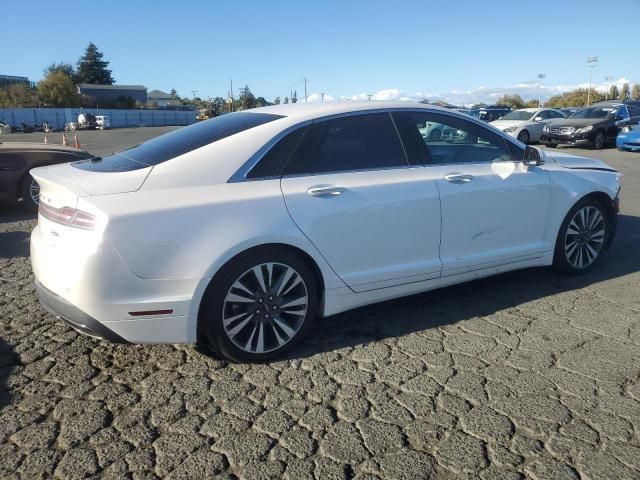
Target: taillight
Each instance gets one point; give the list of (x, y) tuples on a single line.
[(67, 216)]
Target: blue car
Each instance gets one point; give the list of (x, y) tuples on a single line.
[(629, 138)]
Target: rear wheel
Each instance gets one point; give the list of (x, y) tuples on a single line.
[(551, 145), (523, 136), (598, 140), (259, 305), (582, 237)]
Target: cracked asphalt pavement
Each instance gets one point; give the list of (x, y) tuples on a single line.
[(524, 375)]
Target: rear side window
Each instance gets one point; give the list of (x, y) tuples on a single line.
[(272, 164), (356, 142), (178, 142)]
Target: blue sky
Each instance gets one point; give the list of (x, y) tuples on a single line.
[(463, 50)]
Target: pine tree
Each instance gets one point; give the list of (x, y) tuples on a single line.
[(92, 69), (276, 101), (613, 92), (286, 100), (624, 94), (294, 97)]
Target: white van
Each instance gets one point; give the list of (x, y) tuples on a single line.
[(103, 122)]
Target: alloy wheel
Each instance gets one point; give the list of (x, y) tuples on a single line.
[(585, 237), (34, 192), (265, 307), (599, 140)]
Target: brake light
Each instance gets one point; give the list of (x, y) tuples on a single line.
[(67, 216)]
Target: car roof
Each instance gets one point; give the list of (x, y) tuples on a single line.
[(308, 111)]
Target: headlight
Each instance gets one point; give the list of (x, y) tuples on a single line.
[(626, 129), (510, 129), (585, 129)]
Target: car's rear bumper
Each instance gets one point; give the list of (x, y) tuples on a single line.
[(75, 317)]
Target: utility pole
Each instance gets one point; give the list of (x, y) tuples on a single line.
[(194, 93), (305, 89), (369, 96), (609, 79), (541, 76), (591, 63), (322, 96), (230, 99)]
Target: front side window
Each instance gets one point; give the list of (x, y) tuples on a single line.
[(454, 140), (355, 142), (518, 115), (554, 114)]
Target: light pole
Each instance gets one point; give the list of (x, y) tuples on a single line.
[(591, 63), (609, 79), (541, 76)]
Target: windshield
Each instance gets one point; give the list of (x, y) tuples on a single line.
[(596, 112), (518, 115), (178, 142)]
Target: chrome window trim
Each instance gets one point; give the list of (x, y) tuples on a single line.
[(241, 173)]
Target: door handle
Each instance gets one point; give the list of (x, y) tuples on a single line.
[(458, 177), (325, 190)]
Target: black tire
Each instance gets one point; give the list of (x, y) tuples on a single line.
[(28, 202), (551, 145), (565, 259), (599, 140), (215, 306), (524, 137)]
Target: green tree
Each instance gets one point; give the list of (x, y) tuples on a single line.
[(65, 68), (533, 103), (18, 96), (286, 100), (58, 90), (624, 93), (173, 92), (513, 101), (575, 98), (247, 99), (92, 69), (276, 101), (262, 102), (613, 92), (217, 106), (635, 91), (294, 97)]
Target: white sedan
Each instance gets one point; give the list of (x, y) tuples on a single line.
[(527, 124), (238, 231)]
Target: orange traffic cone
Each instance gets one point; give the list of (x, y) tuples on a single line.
[(76, 142), (45, 139), (64, 140)]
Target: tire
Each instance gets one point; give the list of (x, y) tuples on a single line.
[(30, 191), (579, 252), (598, 140), (228, 322), (551, 145), (524, 137)]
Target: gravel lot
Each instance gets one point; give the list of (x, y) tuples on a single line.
[(523, 375)]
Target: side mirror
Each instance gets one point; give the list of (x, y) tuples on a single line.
[(538, 119), (532, 157)]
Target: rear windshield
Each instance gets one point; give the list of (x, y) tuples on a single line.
[(178, 142)]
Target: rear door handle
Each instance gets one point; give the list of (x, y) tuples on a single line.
[(325, 190), (458, 177)]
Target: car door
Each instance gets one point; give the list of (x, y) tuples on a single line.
[(494, 208), (374, 217)]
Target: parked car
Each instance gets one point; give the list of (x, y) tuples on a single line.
[(629, 138), (103, 122), (236, 232), (526, 124), (489, 113), (17, 158), (594, 126)]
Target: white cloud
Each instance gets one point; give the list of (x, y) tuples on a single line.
[(527, 90)]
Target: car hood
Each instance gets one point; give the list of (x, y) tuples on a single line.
[(576, 122), (508, 123), (576, 162)]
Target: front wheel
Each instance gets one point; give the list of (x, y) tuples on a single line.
[(523, 136), (598, 140), (258, 306), (581, 239)]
